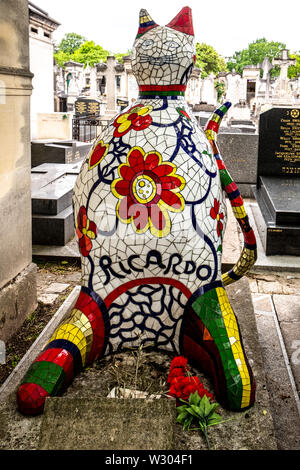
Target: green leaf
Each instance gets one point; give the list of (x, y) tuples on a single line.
[(194, 398), (214, 406), (214, 419), (187, 422), (181, 408), (181, 417), (208, 407), (193, 412)]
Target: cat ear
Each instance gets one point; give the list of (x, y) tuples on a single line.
[(146, 23), (183, 22)]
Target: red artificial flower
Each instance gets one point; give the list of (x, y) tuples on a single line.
[(148, 188), (136, 118), (175, 372), (214, 213), (86, 231), (179, 361), (182, 386)]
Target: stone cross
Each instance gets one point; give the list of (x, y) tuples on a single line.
[(266, 67), (284, 62)]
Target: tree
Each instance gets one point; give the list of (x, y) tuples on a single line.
[(119, 56), (70, 43), (90, 53), (208, 60), (294, 70), (255, 54), (61, 57)]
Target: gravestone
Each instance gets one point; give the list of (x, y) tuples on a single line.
[(87, 107), (58, 152), (278, 185), (107, 424), (51, 198)]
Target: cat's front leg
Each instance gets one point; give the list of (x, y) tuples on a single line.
[(212, 341)]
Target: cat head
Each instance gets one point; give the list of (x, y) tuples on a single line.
[(164, 55)]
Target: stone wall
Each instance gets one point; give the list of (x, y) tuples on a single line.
[(239, 152), (15, 165)]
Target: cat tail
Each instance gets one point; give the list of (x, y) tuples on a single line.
[(249, 251), (76, 342)]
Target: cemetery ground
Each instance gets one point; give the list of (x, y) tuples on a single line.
[(273, 422)]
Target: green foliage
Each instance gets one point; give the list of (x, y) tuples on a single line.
[(61, 57), (120, 56), (77, 48), (70, 42), (90, 53), (208, 60), (220, 87), (255, 54), (294, 70), (200, 410)]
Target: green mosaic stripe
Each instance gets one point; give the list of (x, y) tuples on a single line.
[(223, 108), (48, 375), (225, 178), (208, 309), (162, 93)]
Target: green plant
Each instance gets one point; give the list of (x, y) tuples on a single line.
[(15, 359), (200, 410)]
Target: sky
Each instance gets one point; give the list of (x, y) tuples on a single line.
[(228, 25)]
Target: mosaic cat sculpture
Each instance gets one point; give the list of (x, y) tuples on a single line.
[(150, 214)]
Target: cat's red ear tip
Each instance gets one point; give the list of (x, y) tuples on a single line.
[(183, 21)]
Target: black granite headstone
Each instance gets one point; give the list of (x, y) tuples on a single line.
[(278, 181), (51, 198), (87, 107), (58, 152)]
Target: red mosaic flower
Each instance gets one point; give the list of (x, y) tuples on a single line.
[(136, 118), (148, 188), (214, 213), (86, 231), (98, 154)]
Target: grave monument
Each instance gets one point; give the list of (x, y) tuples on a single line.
[(150, 212), (278, 184), (51, 201)]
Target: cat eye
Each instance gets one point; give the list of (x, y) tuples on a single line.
[(171, 44), (147, 44)]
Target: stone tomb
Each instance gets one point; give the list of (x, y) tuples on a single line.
[(58, 152), (278, 181), (51, 198)]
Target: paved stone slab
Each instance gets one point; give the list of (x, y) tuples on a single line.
[(291, 336), (107, 424), (287, 307), (47, 299), (288, 313), (57, 287), (262, 302), (282, 395)]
